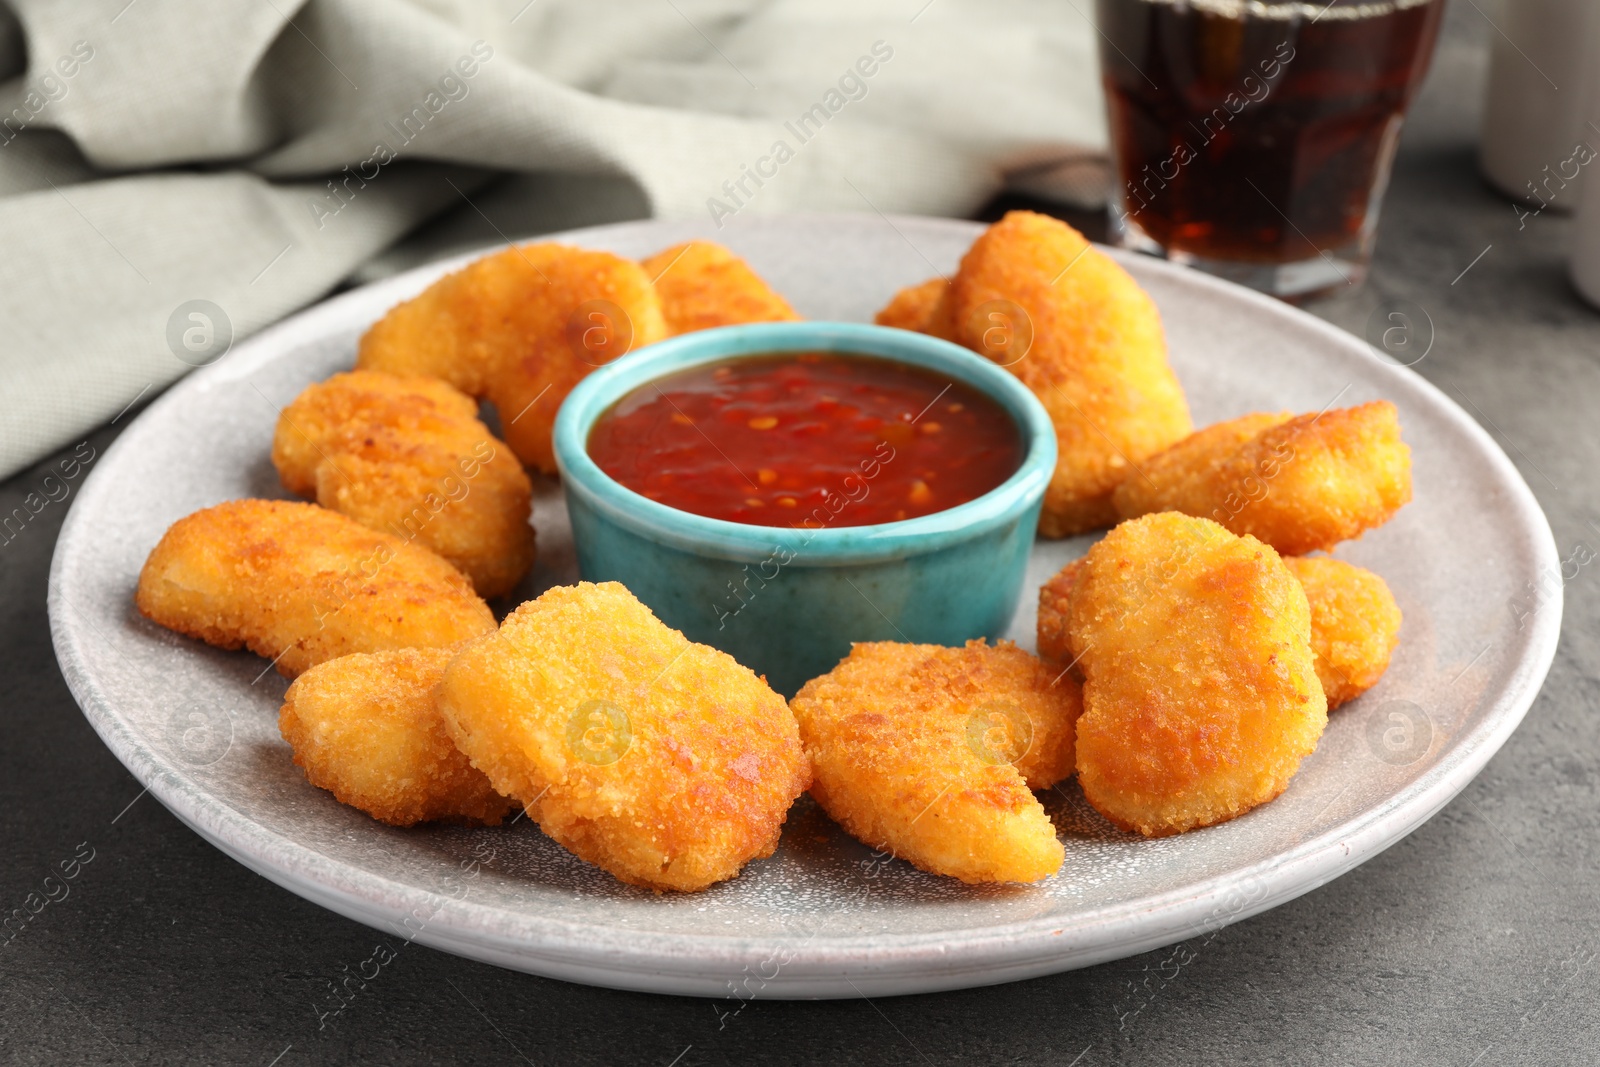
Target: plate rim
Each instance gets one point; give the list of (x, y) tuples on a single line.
[(694, 964)]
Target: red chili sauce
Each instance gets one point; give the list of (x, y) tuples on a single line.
[(807, 440)]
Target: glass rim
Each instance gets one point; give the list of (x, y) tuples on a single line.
[(1265, 10)]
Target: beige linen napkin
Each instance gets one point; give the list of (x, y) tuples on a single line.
[(175, 175)]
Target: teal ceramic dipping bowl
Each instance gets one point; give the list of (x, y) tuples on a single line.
[(788, 602)]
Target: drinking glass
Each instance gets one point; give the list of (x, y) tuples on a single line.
[(1253, 139)]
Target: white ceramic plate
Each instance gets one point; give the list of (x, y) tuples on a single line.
[(825, 916)]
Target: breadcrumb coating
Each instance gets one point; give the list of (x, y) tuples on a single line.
[(1050, 625), (1200, 690), (661, 761), (1355, 624), (918, 308), (301, 585), (521, 328), (409, 456), (930, 752), (1075, 328), (703, 285), (1299, 484), (365, 727)]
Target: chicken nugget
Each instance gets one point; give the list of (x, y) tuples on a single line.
[(929, 752), (1033, 295), (703, 285), (1299, 484), (366, 729), (409, 456), (1200, 693), (1355, 625), (300, 585), (1050, 625), (922, 308), (662, 761), (1193, 460), (1355, 622), (521, 328)]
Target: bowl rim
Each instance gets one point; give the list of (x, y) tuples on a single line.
[(600, 391)]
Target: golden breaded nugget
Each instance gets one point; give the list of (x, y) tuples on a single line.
[(661, 761), (929, 752), (409, 456), (1299, 484), (703, 285), (997, 687), (366, 729), (521, 327), (301, 585), (1050, 626), (1193, 462), (1033, 295), (1355, 625), (1200, 689), (917, 308)]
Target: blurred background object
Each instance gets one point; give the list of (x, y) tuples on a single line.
[(1536, 105), (1585, 256), (1254, 140)]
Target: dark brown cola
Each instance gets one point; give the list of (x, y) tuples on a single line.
[(1258, 133)]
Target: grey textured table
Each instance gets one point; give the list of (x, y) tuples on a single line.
[(1470, 943)]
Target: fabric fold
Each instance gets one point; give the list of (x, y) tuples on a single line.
[(254, 157)]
